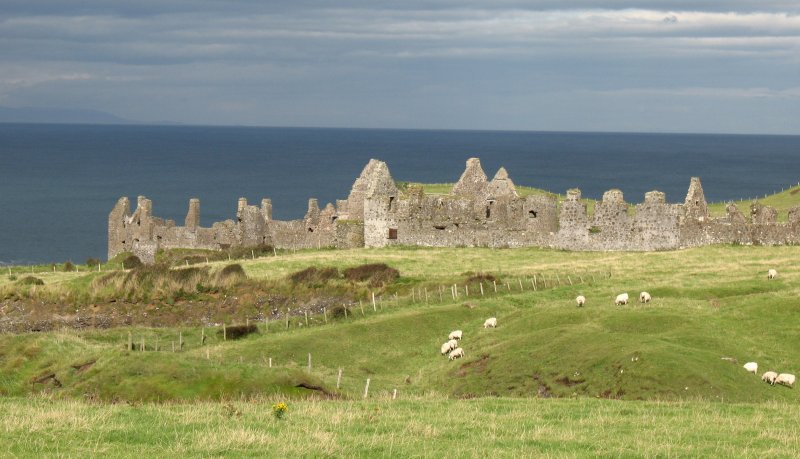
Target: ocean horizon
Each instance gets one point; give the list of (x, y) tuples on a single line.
[(58, 182)]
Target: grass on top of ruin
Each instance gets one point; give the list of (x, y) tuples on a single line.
[(429, 426)]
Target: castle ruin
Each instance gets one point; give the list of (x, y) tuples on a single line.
[(478, 212)]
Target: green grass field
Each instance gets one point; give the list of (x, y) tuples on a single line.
[(660, 379), (420, 427)]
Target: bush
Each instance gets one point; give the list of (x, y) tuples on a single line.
[(376, 273), (132, 262), (339, 311), (69, 267), (92, 262), (238, 331), (12, 277), (232, 273), (30, 280), (314, 275), (480, 277)]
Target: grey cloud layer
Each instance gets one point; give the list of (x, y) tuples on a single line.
[(365, 64)]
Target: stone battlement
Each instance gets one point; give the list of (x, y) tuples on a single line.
[(477, 212)]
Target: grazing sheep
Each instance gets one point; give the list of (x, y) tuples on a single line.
[(490, 322), (751, 367), (581, 300), (622, 298), (456, 353), (772, 274), (446, 348), (455, 334), (644, 297), (769, 377), (786, 379)]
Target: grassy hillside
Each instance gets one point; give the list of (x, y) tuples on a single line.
[(709, 303)]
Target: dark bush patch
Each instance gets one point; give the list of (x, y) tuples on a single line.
[(132, 262), (92, 261), (376, 273), (68, 267), (233, 272), (30, 280), (314, 275), (481, 277), (238, 331), (339, 311)]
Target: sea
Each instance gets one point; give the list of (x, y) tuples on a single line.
[(58, 182)]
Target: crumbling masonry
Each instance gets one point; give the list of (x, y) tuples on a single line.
[(477, 212)]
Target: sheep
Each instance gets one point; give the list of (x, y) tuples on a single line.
[(490, 322), (622, 298), (456, 353), (769, 377), (455, 334), (751, 367), (581, 300), (786, 379), (644, 297), (772, 274), (447, 347)]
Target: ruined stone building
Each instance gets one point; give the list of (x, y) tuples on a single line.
[(477, 212)]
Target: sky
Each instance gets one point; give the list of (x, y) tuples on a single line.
[(564, 65)]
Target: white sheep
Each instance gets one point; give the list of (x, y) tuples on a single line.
[(772, 274), (581, 300), (455, 334), (751, 367), (456, 353), (769, 377), (622, 298), (786, 379), (490, 322), (644, 297), (446, 348)]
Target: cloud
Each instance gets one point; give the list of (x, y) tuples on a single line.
[(253, 60)]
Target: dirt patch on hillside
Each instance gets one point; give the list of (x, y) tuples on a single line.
[(475, 367)]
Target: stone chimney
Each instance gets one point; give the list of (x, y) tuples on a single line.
[(473, 181), (193, 215)]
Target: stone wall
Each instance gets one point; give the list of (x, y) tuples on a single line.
[(476, 213)]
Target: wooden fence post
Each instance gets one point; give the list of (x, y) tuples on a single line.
[(180, 340), (339, 378), (130, 341), (394, 394), (466, 289), (520, 285), (481, 288), (325, 313), (309, 362), (366, 389), (494, 282), (374, 306), (224, 332), (203, 336), (306, 318)]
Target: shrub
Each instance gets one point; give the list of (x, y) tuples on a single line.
[(480, 277), (232, 273), (132, 262), (30, 280), (339, 311), (376, 273), (238, 331), (68, 267), (92, 261), (314, 275), (12, 277)]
